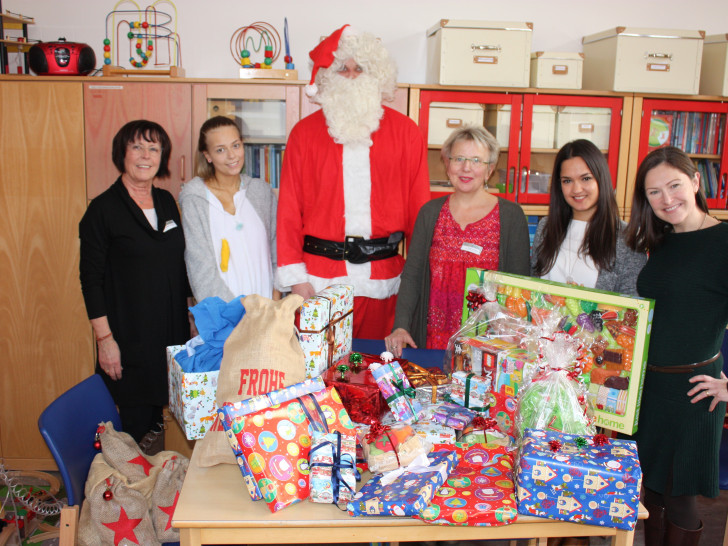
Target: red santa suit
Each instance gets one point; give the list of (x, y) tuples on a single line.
[(329, 191)]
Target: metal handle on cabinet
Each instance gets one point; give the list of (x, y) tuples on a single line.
[(485, 47), (658, 56), (182, 168)]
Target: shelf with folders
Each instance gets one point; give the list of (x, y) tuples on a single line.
[(696, 127)]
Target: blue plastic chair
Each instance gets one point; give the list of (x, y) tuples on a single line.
[(68, 426)]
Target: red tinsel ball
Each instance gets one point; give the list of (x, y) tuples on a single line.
[(108, 495), (97, 445), (555, 445), (600, 440)]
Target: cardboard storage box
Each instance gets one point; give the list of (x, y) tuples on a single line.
[(573, 122), (485, 53), (445, 117), (714, 72), (192, 396), (498, 122), (646, 60), (556, 70), (615, 378)]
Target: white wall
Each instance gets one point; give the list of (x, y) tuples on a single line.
[(206, 26)]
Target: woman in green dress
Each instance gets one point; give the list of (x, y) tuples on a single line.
[(683, 403)]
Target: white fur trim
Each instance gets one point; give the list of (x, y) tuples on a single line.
[(369, 288), (357, 190), (288, 275)]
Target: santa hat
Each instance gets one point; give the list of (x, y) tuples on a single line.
[(322, 56)]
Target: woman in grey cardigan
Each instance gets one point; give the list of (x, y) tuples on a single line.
[(229, 219), (470, 228), (581, 241)]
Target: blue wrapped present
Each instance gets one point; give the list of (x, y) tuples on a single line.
[(405, 491), (453, 415), (582, 479), (230, 416)]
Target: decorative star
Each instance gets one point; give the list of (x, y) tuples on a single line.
[(124, 528), (142, 460), (169, 510)]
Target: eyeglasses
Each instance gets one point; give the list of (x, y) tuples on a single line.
[(139, 149), (475, 162)]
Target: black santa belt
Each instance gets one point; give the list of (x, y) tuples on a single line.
[(355, 250)]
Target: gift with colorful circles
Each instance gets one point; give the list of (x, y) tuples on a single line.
[(396, 389), (275, 443), (480, 490), (231, 417), (407, 490)]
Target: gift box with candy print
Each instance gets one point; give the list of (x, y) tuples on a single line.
[(325, 325), (406, 491), (397, 391), (332, 463), (231, 418), (615, 330), (191, 396), (357, 388), (479, 491), (583, 479), (276, 441)]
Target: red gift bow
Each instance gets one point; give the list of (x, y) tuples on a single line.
[(483, 423)]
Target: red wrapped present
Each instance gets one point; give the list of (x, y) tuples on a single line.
[(276, 442), (480, 491), (358, 390)]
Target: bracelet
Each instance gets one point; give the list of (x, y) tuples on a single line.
[(100, 339)]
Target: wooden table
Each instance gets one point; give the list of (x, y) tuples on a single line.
[(215, 508)]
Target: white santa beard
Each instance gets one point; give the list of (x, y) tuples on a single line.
[(352, 107)]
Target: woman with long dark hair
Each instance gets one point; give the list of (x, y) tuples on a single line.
[(684, 393), (581, 241)]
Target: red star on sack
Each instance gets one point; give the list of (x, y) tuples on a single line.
[(169, 510), (142, 460), (124, 528)]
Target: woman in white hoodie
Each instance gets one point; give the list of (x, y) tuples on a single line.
[(229, 219)]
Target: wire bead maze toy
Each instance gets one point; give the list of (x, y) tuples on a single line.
[(145, 29), (259, 36)]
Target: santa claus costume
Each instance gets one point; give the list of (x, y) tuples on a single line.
[(333, 191)]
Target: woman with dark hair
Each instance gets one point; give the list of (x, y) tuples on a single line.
[(229, 219), (468, 228), (684, 393), (133, 279), (581, 241)]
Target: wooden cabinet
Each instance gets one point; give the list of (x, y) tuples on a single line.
[(698, 127), (47, 344), (530, 128), (109, 104)]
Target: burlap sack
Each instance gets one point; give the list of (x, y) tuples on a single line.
[(122, 453), (262, 354), (164, 496), (121, 519)]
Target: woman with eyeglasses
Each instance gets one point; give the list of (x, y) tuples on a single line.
[(469, 228), (581, 240)]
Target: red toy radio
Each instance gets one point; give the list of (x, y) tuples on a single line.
[(61, 58)]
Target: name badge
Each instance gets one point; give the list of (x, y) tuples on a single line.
[(472, 248), (169, 225)]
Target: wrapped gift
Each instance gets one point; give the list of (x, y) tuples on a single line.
[(355, 384), (397, 390), (191, 396), (430, 383), (231, 417), (435, 433), (388, 448), (474, 435), (276, 441), (332, 463), (479, 491), (470, 391), (405, 492), (325, 325), (583, 479), (478, 355), (513, 366), (453, 415)]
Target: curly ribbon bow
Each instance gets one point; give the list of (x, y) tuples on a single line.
[(376, 430), (482, 423), (340, 462)]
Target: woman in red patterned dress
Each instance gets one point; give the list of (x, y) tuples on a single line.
[(470, 228)]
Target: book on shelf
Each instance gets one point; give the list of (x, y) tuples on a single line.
[(660, 130)]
